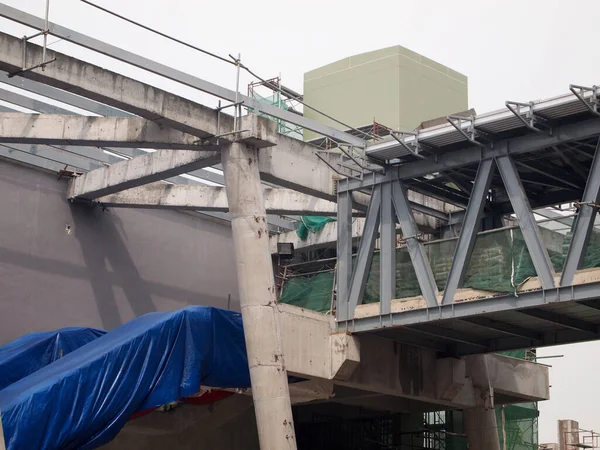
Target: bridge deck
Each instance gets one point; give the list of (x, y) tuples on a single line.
[(535, 318)]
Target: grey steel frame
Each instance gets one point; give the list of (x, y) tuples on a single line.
[(389, 195)]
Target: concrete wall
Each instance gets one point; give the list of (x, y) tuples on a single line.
[(393, 86), (65, 264)]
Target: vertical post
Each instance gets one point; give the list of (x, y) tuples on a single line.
[(468, 232), (258, 302), (344, 252), (45, 35), (584, 223), (387, 264), (417, 253), (481, 428), (527, 224)]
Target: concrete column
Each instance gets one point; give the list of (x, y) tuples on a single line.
[(481, 428), (258, 298), (568, 434)]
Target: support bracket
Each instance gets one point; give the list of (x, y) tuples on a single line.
[(531, 120), (414, 149), (593, 103), (471, 134)]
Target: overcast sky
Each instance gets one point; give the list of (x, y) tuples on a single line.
[(518, 50)]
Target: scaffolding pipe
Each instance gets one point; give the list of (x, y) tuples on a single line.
[(258, 299)]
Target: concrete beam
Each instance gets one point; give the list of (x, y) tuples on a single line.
[(57, 129), (375, 364), (208, 198), (328, 235), (138, 171), (292, 164)]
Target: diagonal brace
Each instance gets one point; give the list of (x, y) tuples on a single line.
[(583, 225), (364, 258), (470, 227), (529, 227), (415, 247)]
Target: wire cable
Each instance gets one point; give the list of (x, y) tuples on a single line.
[(221, 58)]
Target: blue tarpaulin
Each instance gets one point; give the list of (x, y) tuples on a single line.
[(82, 400), (30, 353)]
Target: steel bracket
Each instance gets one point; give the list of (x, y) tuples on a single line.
[(471, 133), (593, 103), (531, 120)]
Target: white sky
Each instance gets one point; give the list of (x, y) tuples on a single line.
[(518, 50)]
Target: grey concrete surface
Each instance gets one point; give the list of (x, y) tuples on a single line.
[(65, 264)]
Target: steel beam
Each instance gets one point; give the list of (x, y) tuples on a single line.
[(527, 224), (448, 335), (469, 230), (525, 300), (58, 129), (172, 74), (472, 155), (145, 169), (387, 264), (416, 250), (209, 198), (344, 254), (505, 328), (584, 223), (362, 267), (562, 320)]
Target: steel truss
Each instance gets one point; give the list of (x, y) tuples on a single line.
[(389, 207)]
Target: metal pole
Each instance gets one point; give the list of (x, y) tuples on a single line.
[(237, 92), (45, 35), (258, 298)]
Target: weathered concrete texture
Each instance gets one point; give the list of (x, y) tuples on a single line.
[(56, 129), (65, 264), (208, 198), (568, 434), (258, 299), (140, 170), (226, 424), (481, 428), (291, 164)]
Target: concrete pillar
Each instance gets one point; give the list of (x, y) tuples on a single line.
[(258, 298), (568, 434), (481, 428)]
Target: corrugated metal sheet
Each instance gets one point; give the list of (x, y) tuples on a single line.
[(501, 121)]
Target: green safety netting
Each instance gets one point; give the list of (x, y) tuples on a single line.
[(500, 263), (311, 224), (518, 424), (283, 127)]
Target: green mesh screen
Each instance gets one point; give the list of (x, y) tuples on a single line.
[(500, 263), (311, 224), (313, 292)]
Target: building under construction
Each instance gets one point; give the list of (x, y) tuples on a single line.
[(366, 265)]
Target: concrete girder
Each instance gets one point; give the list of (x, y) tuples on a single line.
[(208, 198), (375, 364), (291, 164), (328, 234), (140, 170), (58, 129)]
